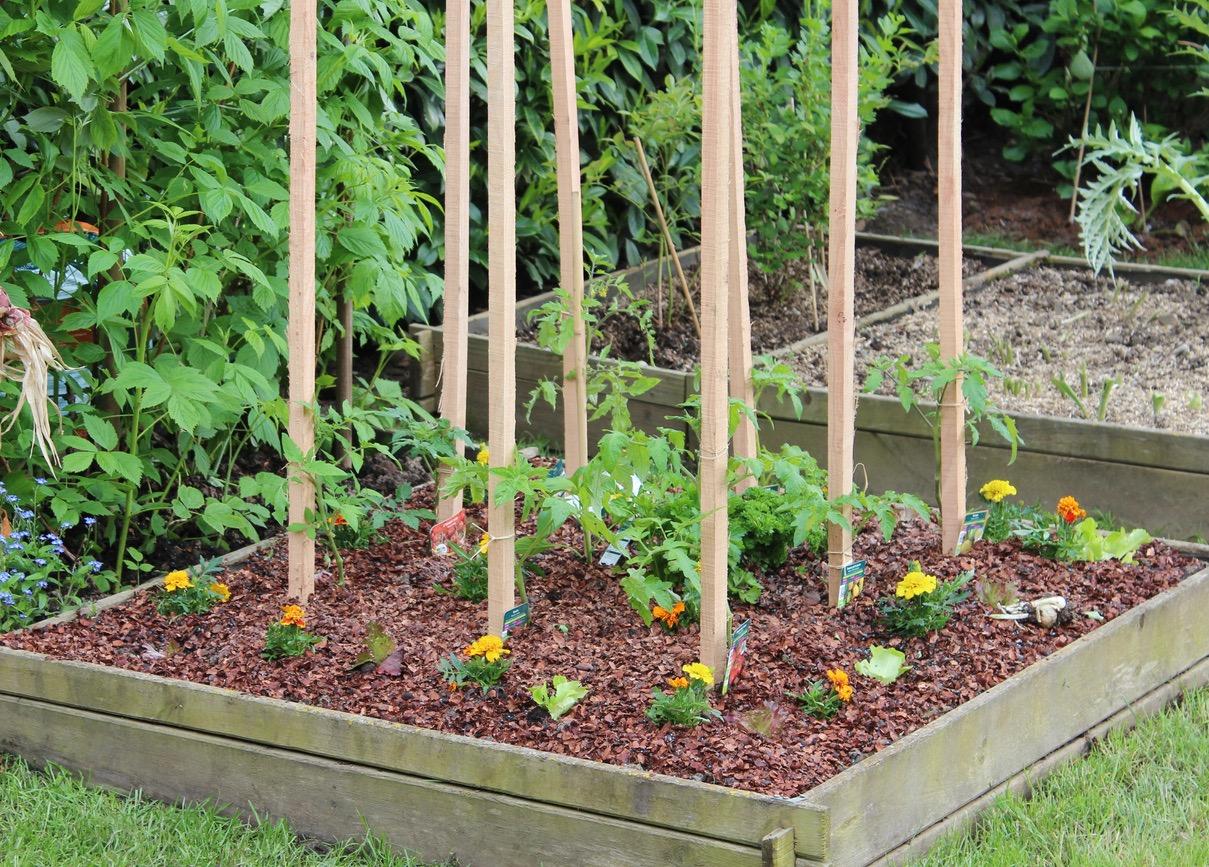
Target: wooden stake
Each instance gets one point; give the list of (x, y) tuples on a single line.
[(841, 334), (952, 409), (570, 233), (717, 173), (301, 326), (740, 319), (667, 235), (501, 276), (457, 231)]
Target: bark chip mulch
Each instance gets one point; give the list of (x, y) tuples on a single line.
[(583, 628)]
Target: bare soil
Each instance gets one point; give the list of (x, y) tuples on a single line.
[(1037, 325), (584, 628), (782, 309)]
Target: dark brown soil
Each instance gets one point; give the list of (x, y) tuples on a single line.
[(781, 307), (1019, 202), (583, 628)]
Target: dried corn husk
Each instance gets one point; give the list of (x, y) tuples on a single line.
[(27, 356)]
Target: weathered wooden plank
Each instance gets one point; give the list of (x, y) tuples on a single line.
[(777, 848), (697, 808), (334, 801), (935, 770)]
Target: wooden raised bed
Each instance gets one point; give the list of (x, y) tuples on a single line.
[(1144, 477), (335, 774)]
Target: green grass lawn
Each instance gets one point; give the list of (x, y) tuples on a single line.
[(1140, 798), (54, 819)]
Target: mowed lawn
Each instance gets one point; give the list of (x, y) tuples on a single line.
[(1140, 798)]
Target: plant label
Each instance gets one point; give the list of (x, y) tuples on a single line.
[(736, 656), (612, 555), (559, 469), (852, 582), (515, 618), (450, 530), (972, 530)]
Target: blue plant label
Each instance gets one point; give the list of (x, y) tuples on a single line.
[(852, 582), (736, 657), (559, 468), (515, 618), (973, 528)]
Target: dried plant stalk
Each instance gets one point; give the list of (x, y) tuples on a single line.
[(27, 356)]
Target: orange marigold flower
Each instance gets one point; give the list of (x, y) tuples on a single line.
[(1070, 510), (293, 615), (338, 520), (838, 677), (844, 691), (678, 682)]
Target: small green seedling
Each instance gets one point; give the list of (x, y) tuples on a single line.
[(885, 664), (564, 696)]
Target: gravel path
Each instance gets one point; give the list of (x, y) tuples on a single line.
[(1152, 339)]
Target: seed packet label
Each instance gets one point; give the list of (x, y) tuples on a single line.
[(450, 530), (559, 468), (973, 528), (852, 582), (736, 657), (515, 618)]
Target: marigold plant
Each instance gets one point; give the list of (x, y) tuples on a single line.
[(921, 602), (996, 490), (1070, 511), (182, 595), (688, 702), (288, 636), (668, 617), (823, 699), (484, 664)]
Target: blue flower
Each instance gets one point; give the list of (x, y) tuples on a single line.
[(7, 598), (67, 525), (38, 480), (24, 514), (42, 585), (96, 565), (28, 591), (13, 546), (13, 498), (4, 576), (89, 521), (40, 561)]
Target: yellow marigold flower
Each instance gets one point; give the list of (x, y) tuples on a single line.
[(490, 647), (484, 543), (221, 590), (844, 691), (838, 677), (1070, 510), (293, 615), (996, 490), (915, 584), (484, 456), (678, 682), (699, 671), (178, 580)]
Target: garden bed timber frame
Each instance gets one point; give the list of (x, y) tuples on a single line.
[(333, 775), (1141, 476)]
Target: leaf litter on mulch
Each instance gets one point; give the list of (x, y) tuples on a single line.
[(584, 628)]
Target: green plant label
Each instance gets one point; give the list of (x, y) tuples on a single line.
[(972, 530), (515, 618), (450, 530), (852, 582), (736, 656)]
